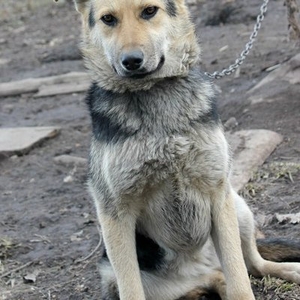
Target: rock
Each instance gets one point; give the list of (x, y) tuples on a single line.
[(21, 140), (250, 150), (31, 278), (68, 160), (231, 123), (68, 179), (289, 71)]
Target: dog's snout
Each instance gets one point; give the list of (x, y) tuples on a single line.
[(133, 60)]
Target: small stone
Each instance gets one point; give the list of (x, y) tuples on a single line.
[(68, 160), (7, 108), (7, 193), (231, 123), (68, 179), (4, 61), (31, 278)]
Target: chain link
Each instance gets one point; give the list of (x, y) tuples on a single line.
[(232, 68)]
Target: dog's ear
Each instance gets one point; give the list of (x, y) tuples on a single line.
[(79, 4)]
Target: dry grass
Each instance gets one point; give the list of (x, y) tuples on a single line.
[(269, 288), (270, 172), (6, 246)]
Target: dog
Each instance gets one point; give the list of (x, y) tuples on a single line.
[(173, 227)]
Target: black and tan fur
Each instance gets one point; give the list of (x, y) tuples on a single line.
[(159, 163)]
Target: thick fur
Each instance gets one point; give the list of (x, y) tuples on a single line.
[(159, 162)]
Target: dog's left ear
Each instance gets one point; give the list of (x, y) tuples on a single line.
[(79, 4)]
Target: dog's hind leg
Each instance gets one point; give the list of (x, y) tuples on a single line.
[(256, 265), (213, 283)]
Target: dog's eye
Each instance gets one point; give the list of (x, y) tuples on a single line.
[(109, 20), (149, 12)]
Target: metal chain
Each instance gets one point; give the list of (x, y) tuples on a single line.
[(232, 68)]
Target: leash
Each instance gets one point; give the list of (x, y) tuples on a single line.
[(239, 61)]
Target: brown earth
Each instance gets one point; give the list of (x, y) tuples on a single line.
[(47, 225)]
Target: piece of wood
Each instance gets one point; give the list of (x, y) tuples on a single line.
[(61, 89), (250, 150), (21, 140), (32, 85)]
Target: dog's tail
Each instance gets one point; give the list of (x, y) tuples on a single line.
[(279, 249)]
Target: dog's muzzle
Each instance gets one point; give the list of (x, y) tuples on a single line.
[(132, 61), (132, 64)]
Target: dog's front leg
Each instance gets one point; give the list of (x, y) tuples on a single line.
[(226, 237), (119, 239)]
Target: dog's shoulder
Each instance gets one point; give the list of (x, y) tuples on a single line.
[(108, 114)]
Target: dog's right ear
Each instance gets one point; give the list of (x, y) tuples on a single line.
[(79, 4)]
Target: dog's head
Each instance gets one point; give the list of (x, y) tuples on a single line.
[(130, 44)]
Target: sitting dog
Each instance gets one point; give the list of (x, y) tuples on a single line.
[(173, 227)]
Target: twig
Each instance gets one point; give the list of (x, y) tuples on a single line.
[(15, 270), (43, 238), (292, 11), (95, 250)]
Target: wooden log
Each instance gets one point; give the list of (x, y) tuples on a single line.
[(60, 89), (32, 85)]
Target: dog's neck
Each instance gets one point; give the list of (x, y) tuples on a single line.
[(178, 62), (169, 107)]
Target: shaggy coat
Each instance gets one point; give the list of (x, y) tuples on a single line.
[(159, 162)]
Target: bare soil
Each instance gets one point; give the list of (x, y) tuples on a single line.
[(47, 225)]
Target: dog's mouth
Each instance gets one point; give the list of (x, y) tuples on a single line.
[(142, 73)]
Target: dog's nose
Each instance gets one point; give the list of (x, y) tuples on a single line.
[(132, 61)]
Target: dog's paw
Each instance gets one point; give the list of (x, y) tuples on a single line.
[(291, 272), (286, 271)]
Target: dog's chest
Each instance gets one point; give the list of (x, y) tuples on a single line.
[(177, 218), (168, 181), (136, 167)]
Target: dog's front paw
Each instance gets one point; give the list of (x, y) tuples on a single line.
[(243, 296), (242, 291)]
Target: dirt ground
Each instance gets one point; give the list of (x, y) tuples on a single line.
[(48, 226)]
